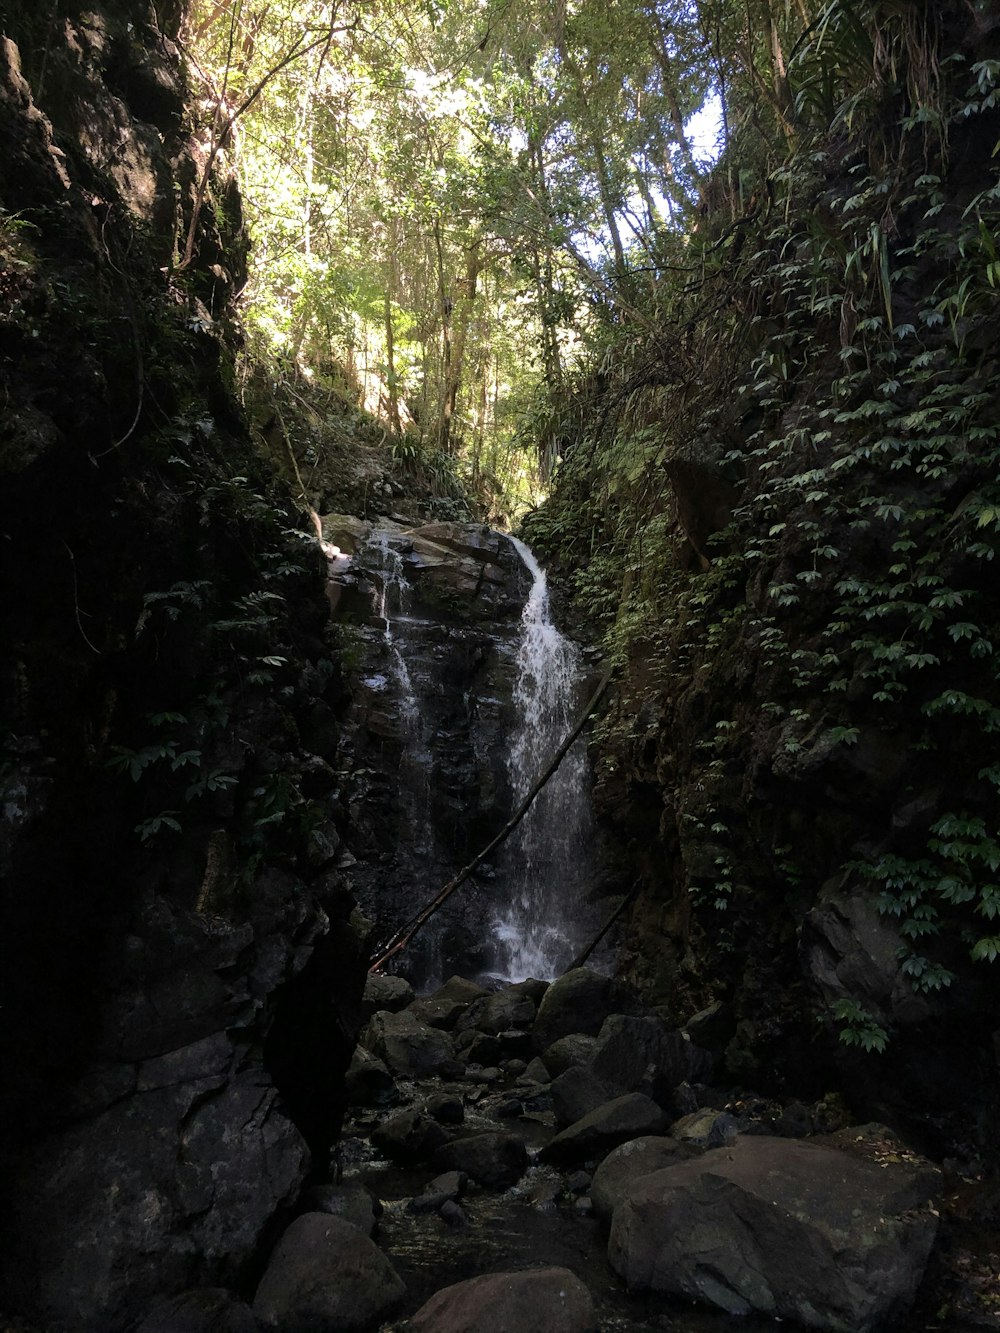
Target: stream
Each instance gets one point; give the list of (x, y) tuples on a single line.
[(545, 1218)]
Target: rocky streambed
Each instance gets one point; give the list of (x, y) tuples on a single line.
[(552, 1157)]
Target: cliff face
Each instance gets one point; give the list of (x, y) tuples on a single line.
[(794, 563), (176, 948)]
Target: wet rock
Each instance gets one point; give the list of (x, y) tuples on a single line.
[(642, 1055), (579, 1001), (509, 1008), (849, 950), (795, 1121), (615, 1122), (705, 1129), (351, 1203), (575, 1049), (578, 1182), (446, 1006), (793, 1230), (451, 1213), (408, 1046), (194, 1170), (460, 989), (443, 1189), (628, 1163), (326, 1277), (495, 1160), (546, 1300), (576, 1093), (477, 1048), (711, 1027), (509, 1108), (446, 1188), (208, 1310), (368, 1081), (444, 1107), (345, 531), (536, 1072), (409, 1137), (385, 992), (514, 1068), (514, 1043), (544, 1196)]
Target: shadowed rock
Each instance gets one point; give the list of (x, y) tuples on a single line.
[(793, 1230), (615, 1122), (629, 1162), (548, 1300), (326, 1277)]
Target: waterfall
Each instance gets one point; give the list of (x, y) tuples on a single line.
[(539, 925)]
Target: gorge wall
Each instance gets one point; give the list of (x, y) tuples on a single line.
[(781, 506), (180, 978)]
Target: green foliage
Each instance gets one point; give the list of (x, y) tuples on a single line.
[(858, 1026)]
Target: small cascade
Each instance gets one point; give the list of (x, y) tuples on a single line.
[(540, 924), (391, 603)]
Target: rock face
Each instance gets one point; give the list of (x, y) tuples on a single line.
[(612, 1123), (790, 1229), (179, 971), (326, 1277), (430, 619), (548, 1300)]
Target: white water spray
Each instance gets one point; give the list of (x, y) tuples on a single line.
[(538, 925)]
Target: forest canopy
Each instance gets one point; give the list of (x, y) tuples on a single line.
[(455, 205), (452, 202)]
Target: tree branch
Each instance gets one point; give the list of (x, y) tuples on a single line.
[(405, 934)]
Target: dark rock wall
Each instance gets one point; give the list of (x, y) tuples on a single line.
[(818, 517), (179, 974)]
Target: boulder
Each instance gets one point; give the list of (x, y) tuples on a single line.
[(407, 1046), (615, 1122), (409, 1137), (368, 1081), (510, 1008), (705, 1129), (493, 1159), (345, 531), (445, 1108), (326, 1277), (576, 1093), (579, 1001), (575, 1049), (446, 1006), (793, 1230), (545, 1300), (712, 1026), (352, 1203), (207, 1310), (627, 1163), (389, 993), (536, 1072), (642, 1055), (850, 951), (477, 1048), (443, 1189)]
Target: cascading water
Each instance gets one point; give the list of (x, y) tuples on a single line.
[(539, 925)]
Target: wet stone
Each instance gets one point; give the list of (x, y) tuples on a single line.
[(495, 1160), (326, 1277), (352, 1203), (207, 1310), (445, 1108), (454, 1215), (409, 1137)]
